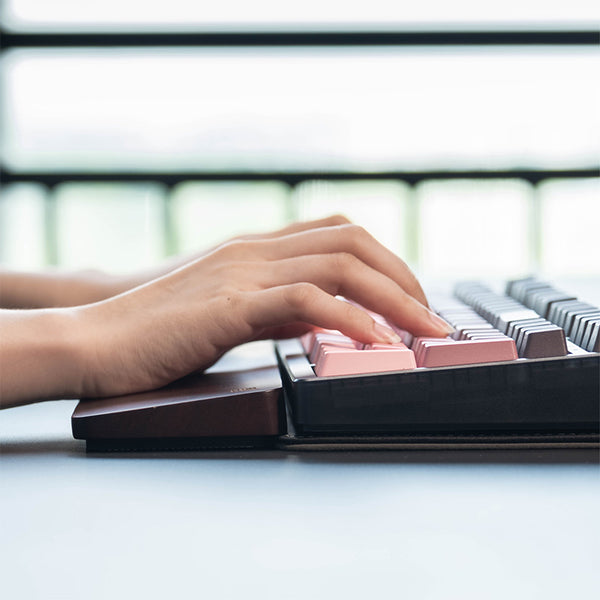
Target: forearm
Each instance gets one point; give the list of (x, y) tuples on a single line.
[(41, 356), (56, 288)]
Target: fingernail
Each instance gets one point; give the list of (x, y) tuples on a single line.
[(386, 335), (440, 323)]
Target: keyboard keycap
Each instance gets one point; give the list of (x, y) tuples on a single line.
[(432, 352), (505, 319), (579, 323), (334, 359), (592, 343), (542, 342), (585, 322)]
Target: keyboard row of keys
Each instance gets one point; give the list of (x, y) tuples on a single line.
[(334, 354), (580, 320), (532, 321), (535, 336)]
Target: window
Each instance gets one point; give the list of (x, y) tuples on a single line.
[(119, 150)]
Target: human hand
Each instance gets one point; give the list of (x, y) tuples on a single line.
[(111, 285), (276, 285)]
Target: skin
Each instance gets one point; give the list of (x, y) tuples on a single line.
[(103, 336)]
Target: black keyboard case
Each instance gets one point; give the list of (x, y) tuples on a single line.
[(527, 399)]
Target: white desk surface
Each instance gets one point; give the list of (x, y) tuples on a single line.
[(266, 524)]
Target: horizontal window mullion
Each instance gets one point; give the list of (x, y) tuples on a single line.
[(10, 39), (293, 178)]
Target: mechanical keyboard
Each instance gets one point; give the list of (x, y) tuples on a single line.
[(523, 361), (521, 370)]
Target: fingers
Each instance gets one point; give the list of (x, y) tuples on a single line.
[(308, 303), (343, 273), (330, 221), (346, 238), (329, 257)]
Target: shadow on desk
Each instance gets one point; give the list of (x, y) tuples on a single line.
[(76, 449)]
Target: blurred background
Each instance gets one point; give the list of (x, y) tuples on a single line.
[(464, 135)]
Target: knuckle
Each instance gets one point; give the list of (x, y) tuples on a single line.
[(344, 261), (239, 249), (224, 252), (357, 231), (339, 219), (301, 294), (354, 235)]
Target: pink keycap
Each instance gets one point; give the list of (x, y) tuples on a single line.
[(334, 359), (419, 346), (331, 339), (307, 341), (435, 352)]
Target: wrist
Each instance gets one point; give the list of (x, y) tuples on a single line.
[(42, 354)]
